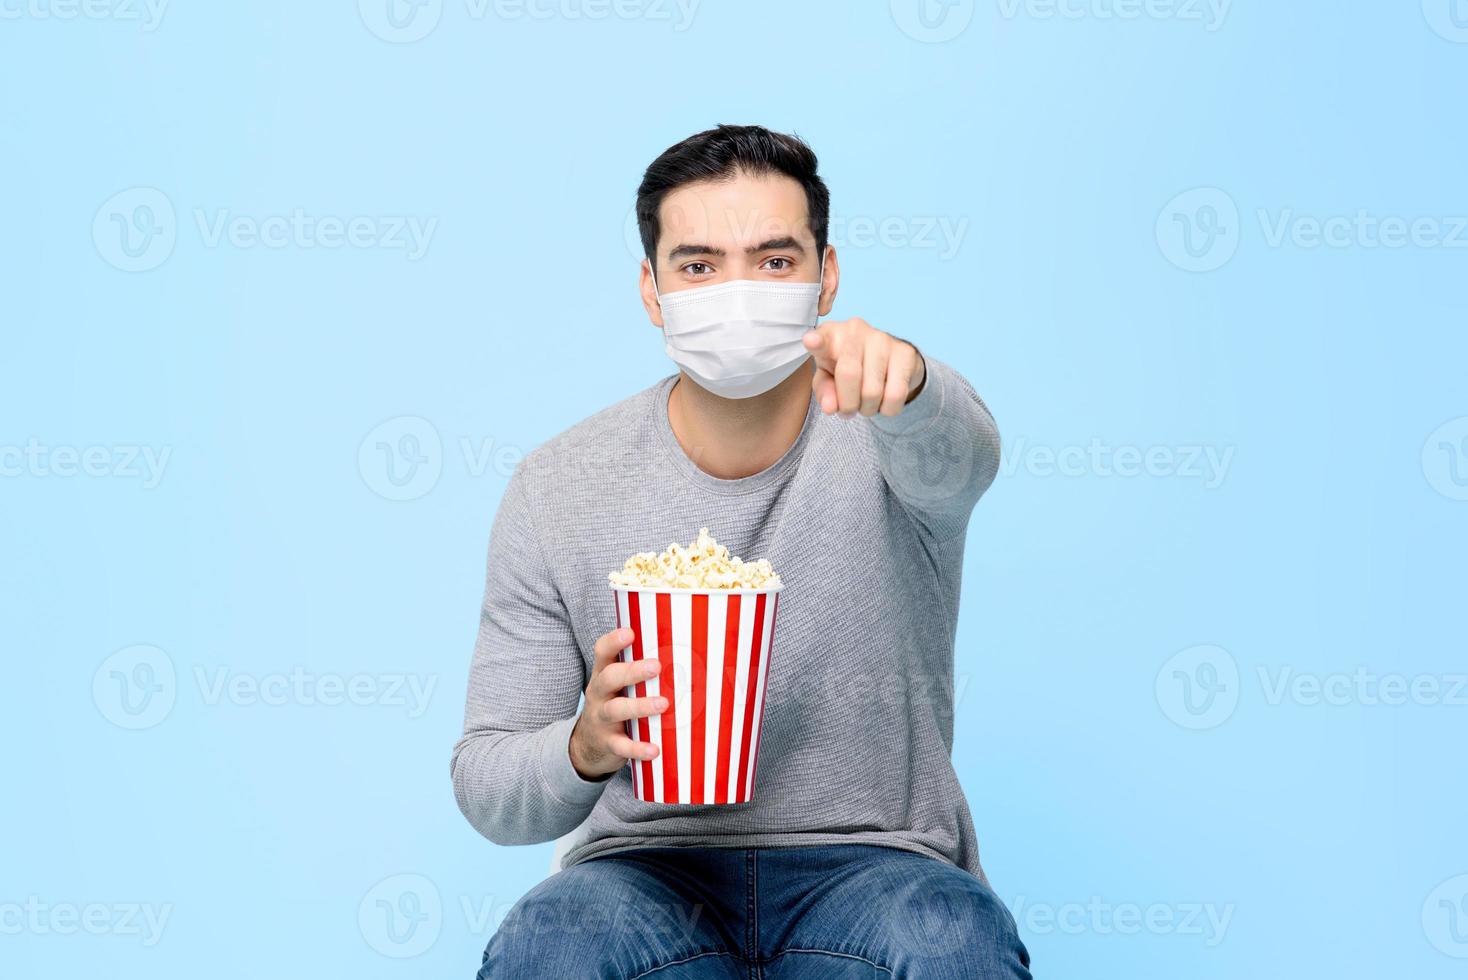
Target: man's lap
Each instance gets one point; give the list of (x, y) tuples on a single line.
[(838, 912)]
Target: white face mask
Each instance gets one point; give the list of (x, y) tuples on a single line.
[(739, 339)]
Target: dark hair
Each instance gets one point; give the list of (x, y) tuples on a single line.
[(717, 154)]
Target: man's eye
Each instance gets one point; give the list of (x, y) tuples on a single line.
[(697, 268), (778, 264)]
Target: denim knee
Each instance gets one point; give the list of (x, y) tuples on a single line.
[(601, 918)]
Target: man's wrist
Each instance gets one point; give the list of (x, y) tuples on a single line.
[(579, 765)]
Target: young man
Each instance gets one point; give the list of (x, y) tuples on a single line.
[(852, 462)]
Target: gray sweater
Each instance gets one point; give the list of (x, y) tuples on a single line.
[(863, 518)]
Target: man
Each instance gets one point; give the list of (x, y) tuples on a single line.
[(852, 462)]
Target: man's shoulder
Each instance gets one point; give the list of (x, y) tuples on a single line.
[(597, 440)]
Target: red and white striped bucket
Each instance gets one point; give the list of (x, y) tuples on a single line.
[(714, 645)]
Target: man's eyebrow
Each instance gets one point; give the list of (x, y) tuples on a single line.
[(683, 251), (785, 244)]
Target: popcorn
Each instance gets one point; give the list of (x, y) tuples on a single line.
[(704, 564)]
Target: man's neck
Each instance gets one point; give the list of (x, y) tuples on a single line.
[(734, 438)]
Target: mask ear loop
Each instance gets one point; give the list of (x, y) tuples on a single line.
[(654, 273)]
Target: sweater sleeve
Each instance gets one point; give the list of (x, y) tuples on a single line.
[(512, 771), (940, 453)]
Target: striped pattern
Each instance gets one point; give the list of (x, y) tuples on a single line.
[(715, 652)]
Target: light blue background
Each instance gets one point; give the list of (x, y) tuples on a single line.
[(1328, 834)]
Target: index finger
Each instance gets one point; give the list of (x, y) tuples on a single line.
[(608, 646), (818, 342)]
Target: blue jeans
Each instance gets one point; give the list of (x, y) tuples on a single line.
[(814, 913)]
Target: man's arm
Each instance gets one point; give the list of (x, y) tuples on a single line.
[(512, 772), (941, 452), (936, 441)]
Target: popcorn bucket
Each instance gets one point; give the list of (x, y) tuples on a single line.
[(714, 645)]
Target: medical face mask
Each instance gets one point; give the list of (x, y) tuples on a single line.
[(739, 339)]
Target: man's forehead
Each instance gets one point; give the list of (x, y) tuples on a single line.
[(741, 211)]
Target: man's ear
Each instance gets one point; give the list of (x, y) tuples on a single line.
[(830, 281), (650, 294)]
